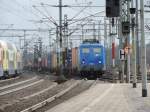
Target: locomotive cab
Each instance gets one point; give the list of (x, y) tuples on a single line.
[(91, 59)]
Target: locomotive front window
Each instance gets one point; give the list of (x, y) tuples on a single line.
[(97, 50), (85, 50)]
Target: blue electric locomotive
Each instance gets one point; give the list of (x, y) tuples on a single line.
[(91, 59)]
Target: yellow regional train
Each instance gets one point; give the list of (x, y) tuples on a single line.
[(10, 59)]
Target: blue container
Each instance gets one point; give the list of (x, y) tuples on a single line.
[(69, 56)]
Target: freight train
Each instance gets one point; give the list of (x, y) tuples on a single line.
[(10, 59), (48, 61), (88, 58)]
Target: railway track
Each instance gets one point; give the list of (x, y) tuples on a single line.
[(25, 100), (16, 79), (6, 80), (16, 84), (76, 88), (51, 99), (39, 94)]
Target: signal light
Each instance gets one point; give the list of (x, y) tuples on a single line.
[(126, 27), (132, 10), (112, 8)]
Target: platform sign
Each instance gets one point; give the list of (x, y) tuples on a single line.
[(122, 54)]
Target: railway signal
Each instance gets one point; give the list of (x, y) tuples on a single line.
[(112, 8), (143, 52), (126, 27)]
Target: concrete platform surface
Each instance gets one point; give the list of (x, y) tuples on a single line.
[(107, 98)]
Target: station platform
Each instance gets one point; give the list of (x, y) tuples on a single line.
[(107, 98)]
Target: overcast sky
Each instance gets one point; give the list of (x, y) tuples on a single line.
[(22, 14)]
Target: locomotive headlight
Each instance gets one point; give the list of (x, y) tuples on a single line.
[(83, 62), (100, 62)]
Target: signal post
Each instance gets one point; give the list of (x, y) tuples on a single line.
[(143, 52), (112, 11)]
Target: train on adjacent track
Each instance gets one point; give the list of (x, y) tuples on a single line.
[(88, 58), (10, 59)]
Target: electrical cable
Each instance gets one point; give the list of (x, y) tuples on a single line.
[(92, 15), (80, 12), (48, 13), (45, 15)]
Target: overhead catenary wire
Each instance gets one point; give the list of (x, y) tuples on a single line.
[(92, 15), (45, 15), (81, 19), (10, 26), (78, 28), (42, 4), (79, 12), (94, 6)]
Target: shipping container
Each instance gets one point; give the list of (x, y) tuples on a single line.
[(54, 60), (43, 62), (49, 61), (69, 58), (64, 57), (74, 58)]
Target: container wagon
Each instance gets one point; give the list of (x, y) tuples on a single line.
[(74, 60)]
